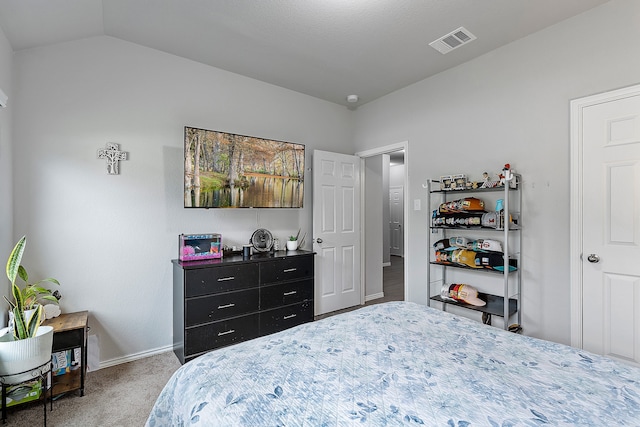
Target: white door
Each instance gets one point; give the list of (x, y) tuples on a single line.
[(336, 231), (396, 216), (611, 228)]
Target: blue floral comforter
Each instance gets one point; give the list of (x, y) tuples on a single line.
[(399, 364)]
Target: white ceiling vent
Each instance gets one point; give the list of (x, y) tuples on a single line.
[(453, 40)]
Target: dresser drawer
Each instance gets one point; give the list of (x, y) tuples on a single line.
[(286, 269), (276, 320), (215, 307), (204, 281), (285, 293), (213, 335)]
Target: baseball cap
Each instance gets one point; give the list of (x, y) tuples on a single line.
[(443, 257), (442, 245), (462, 205), (459, 242), (444, 292), (465, 257), (472, 204), (486, 245), (490, 219), (495, 261), (465, 293)]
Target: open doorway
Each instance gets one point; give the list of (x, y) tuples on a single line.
[(384, 177), (380, 284), (393, 263)]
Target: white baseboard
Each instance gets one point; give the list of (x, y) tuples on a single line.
[(374, 296), (136, 356)]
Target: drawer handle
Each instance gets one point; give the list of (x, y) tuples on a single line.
[(226, 333), (226, 306), (290, 293), (291, 316), (224, 279), (289, 270)]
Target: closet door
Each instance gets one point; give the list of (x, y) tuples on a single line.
[(611, 228)]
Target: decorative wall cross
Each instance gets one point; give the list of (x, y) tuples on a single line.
[(113, 155)]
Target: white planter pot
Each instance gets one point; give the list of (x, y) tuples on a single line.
[(27, 314), (292, 245), (17, 356)]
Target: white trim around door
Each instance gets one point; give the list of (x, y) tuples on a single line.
[(576, 243), (375, 152)]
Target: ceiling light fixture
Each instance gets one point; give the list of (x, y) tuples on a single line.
[(352, 98)]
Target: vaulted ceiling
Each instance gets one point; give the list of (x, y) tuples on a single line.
[(328, 49)]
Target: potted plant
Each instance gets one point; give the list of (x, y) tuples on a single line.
[(25, 345), (294, 241)]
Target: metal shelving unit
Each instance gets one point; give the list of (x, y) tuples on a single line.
[(511, 236)]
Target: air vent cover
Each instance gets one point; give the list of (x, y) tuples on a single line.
[(453, 40)]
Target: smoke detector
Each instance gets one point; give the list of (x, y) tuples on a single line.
[(453, 40), (352, 98)]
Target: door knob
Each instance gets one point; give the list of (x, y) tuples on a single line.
[(318, 240), (593, 258)]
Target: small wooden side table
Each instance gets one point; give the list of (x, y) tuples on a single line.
[(70, 332)]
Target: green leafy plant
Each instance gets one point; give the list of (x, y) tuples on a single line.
[(29, 297), (297, 237)]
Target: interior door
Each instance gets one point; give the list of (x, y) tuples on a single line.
[(396, 216), (611, 228), (336, 230)]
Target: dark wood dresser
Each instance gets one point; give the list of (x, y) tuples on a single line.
[(224, 301)]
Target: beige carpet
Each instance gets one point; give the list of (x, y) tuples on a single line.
[(121, 395)]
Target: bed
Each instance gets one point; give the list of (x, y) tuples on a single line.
[(396, 364)]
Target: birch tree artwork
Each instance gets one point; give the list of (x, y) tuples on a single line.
[(225, 170), (113, 155)]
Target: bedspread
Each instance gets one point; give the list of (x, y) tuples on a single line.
[(398, 364)]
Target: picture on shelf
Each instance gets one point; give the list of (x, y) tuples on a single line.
[(225, 170)]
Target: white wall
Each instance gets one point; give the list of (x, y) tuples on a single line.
[(6, 193), (511, 106), (109, 239)]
